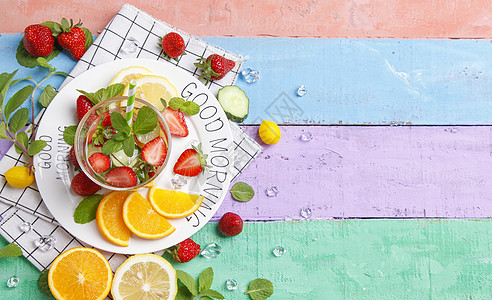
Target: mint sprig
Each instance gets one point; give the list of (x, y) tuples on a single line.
[(188, 107), (189, 290), (11, 250), (104, 93)]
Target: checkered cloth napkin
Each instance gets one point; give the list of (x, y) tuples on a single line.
[(131, 33)]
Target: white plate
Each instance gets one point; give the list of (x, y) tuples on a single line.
[(210, 127)]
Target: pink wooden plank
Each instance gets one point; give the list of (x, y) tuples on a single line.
[(287, 18), (372, 171)]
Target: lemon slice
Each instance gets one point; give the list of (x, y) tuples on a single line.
[(145, 276), (174, 204), (125, 75), (152, 88)]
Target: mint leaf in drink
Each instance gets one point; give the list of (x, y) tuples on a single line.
[(111, 146), (242, 191), (104, 93), (260, 289), (19, 119), (146, 121), (205, 279), (25, 59), (43, 283), (114, 90), (176, 103), (69, 135), (35, 147), (119, 123), (129, 146), (87, 208), (11, 250), (187, 281), (48, 94)]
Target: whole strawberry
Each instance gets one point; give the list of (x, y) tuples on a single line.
[(83, 106), (38, 40), (231, 224), (71, 38), (185, 251), (173, 45), (215, 67)]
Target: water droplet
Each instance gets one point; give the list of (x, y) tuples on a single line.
[(13, 282), (279, 251), (130, 45), (250, 75), (212, 250), (306, 213), (301, 91), (25, 227), (178, 181), (272, 191), (231, 284), (306, 136), (45, 243)]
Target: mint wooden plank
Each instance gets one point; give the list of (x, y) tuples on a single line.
[(339, 259), (360, 81), (371, 171)]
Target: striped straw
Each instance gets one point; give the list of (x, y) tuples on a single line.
[(130, 101)]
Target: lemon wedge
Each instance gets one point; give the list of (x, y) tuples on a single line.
[(125, 75), (152, 88)]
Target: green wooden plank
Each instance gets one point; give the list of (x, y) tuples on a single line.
[(337, 259)]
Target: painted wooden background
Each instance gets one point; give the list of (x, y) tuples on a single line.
[(365, 160)]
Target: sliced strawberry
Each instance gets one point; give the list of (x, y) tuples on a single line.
[(176, 122), (122, 177), (155, 152), (107, 120), (99, 162), (191, 162), (83, 106), (83, 186), (73, 159)]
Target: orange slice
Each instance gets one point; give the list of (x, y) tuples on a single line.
[(109, 219), (173, 204), (80, 273), (143, 220)]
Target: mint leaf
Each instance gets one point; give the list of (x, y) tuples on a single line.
[(242, 191), (11, 250), (87, 208), (25, 59), (260, 289), (17, 100), (43, 283), (205, 279), (5, 83), (104, 93), (3, 132), (211, 293), (129, 146), (19, 119), (88, 37), (164, 103), (176, 103), (22, 138), (50, 25), (44, 63), (188, 281), (146, 121), (190, 108), (115, 90), (69, 134), (35, 147), (119, 123), (111, 146), (48, 94), (183, 294)]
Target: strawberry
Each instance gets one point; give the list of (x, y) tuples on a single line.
[(173, 45), (71, 38), (73, 159), (122, 177), (99, 162), (191, 162), (107, 121), (176, 122), (83, 186), (155, 151), (231, 224), (38, 40), (185, 251), (83, 106), (215, 67)]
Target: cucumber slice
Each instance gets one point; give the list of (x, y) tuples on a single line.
[(234, 102)]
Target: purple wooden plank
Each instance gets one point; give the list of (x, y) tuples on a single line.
[(373, 171)]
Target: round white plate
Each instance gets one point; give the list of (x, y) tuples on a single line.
[(210, 127)]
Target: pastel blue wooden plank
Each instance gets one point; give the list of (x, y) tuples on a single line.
[(361, 81)]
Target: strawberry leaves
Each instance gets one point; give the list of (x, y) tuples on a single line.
[(189, 290)]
